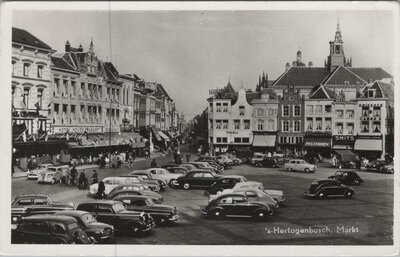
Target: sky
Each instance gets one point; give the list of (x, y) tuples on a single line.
[(190, 52)]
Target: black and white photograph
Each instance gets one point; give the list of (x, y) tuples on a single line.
[(135, 127)]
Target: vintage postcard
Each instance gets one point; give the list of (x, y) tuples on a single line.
[(199, 128)]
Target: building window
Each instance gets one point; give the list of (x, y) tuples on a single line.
[(26, 97), (40, 71), (298, 140), (296, 126), (285, 111), (328, 108), (225, 124), (328, 124), (376, 127), (285, 126), (283, 140), (365, 126), (57, 87), (218, 124), (27, 67), (211, 140), (224, 140), (371, 93), (309, 109), (270, 125), (14, 64), (296, 112), (246, 124), (339, 113), (65, 82), (218, 107), (211, 124), (309, 124), (225, 107), (260, 112), (211, 107), (73, 88), (350, 113), (241, 110), (318, 109), (350, 128), (365, 111), (236, 124), (39, 98), (219, 139), (377, 111), (271, 112), (237, 140), (339, 128), (260, 125), (245, 140), (318, 124)]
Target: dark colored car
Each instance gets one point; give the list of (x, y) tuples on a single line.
[(328, 187), (177, 170), (268, 162), (98, 230), (49, 229), (168, 166), (375, 165), (225, 182), (197, 179), (115, 214), (154, 185), (236, 205), (133, 190), (161, 213), (31, 204), (388, 168), (218, 168), (347, 177), (202, 166)]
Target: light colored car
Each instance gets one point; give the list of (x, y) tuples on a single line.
[(224, 160), (278, 195), (299, 165), (52, 174), (258, 157), (170, 178), (33, 174), (111, 182)]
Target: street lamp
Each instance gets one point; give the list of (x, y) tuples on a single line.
[(110, 112)]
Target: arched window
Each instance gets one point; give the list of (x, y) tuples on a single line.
[(260, 125), (270, 125)]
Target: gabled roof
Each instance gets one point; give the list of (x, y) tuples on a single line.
[(250, 96), (24, 37), (322, 93), (111, 72), (342, 74), (383, 90), (302, 76), (371, 74), (162, 91), (59, 62)]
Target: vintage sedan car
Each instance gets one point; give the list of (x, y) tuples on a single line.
[(187, 166), (115, 214), (177, 170), (388, 168), (268, 162), (49, 229), (197, 179), (277, 195), (134, 190), (33, 174), (154, 184), (32, 204), (209, 164), (327, 188), (347, 177), (225, 160), (111, 182), (236, 204), (146, 175), (299, 165), (257, 157), (225, 182), (52, 174), (375, 165), (161, 213), (161, 173), (202, 166), (98, 230), (206, 158)]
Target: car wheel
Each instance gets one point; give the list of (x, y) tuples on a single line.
[(348, 194), (218, 213), (172, 183), (322, 195), (260, 214), (307, 170), (288, 169), (186, 186)]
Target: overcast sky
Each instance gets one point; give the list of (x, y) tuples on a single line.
[(190, 52)]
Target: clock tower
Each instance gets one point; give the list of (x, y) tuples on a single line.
[(336, 57)]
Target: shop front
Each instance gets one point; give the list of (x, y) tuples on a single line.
[(264, 143), (370, 147), (343, 142), (318, 143)]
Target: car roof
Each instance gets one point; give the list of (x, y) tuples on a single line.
[(232, 176), (324, 180), (230, 195), (139, 197), (249, 183), (297, 159), (155, 169), (111, 202), (31, 196), (50, 217), (73, 213), (140, 172)]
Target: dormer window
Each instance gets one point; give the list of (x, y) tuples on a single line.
[(241, 110), (371, 93)]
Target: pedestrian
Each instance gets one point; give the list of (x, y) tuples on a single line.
[(100, 189), (153, 164), (94, 178), (74, 174), (358, 163), (187, 157)]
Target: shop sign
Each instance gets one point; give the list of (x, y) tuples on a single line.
[(232, 132), (76, 129), (369, 137), (344, 138), (317, 144)]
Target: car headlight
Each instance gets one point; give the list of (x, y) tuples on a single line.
[(14, 219), (99, 231)]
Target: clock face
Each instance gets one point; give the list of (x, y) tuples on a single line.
[(291, 98)]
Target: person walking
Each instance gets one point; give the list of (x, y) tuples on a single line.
[(358, 163), (74, 174), (153, 164), (100, 190), (94, 179)]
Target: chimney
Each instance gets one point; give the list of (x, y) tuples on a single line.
[(67, 46), (287, 66), (310, 64), (80, 48)]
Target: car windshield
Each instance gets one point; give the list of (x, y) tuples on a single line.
[(51, 169), (150, 202), (87, 218), (119, 207)]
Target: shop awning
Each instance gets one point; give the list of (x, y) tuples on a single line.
[(346, 155), (103, 140), (264, 140), (368, 145), (155, 133), (317, 142), (165, 137)]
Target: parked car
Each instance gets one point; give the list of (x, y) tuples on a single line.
[(49, 229), (375, 165), (187, 166), (206, 158), (202, 166), (197, 179), (88, 223), (225, 182), (258, 157), (154, 184), (112, 182), (268, 162), (161, 213), (236, 204), (115, 214), (328, 187), (161, 173), (347, 177), (277, 195), (33, 174), (32, 204), (145, 174), (177, 170), (225, 160), (299, 165), (207, 164), (168, 166), (130, 189), (388, 168), (236, 160), (52, 174)]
